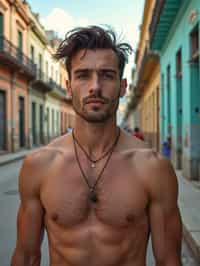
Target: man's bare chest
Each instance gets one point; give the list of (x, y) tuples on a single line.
[(122, 199)]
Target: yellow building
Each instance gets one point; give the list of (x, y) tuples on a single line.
[(145, 99)]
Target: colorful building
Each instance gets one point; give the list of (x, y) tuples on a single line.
[(39, 86), (34, 105), (16, 72), (144, 101), (174, 33)]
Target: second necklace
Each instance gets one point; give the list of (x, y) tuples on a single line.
[(93, 162), (92, 189)]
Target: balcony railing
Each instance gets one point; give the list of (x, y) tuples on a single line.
[(149, 59), (155, 18), (42, 82), (13, 57), (164, 14), (59, 91), (46, 84)]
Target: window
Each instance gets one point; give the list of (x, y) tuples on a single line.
[(57, 121), (169, 98), (194, 45), (52, 121), (1, 30), (179, 64), (62, 130), (40, 61), (168, 76), (52, 72), (20, 40), (61, 80), (1, 24), (47, 69), (56, 76), (20, 46), (32, 53)]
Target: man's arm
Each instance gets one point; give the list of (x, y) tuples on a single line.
[(30, 226), (165, 220)]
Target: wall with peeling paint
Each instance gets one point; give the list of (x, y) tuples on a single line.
[(180, 95)]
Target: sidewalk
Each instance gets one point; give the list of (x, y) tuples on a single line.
[(11, 157), (189, 204)]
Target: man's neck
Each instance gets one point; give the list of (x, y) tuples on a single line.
[(96, 138)]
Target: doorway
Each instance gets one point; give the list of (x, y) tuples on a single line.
[(34, 123), (21, 122), (41, 124), (2, 120)]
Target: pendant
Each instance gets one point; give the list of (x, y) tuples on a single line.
[(93, 196), (93, 165)]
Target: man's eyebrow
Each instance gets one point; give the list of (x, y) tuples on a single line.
[(81, 70), (100, 70), (108, 70)]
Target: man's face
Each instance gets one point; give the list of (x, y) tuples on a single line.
[(95, 84)]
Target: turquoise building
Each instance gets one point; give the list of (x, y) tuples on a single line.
[(175, 34)]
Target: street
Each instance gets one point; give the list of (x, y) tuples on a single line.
[(9, 200)]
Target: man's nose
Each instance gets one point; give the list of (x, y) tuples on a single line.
[(95, 85)]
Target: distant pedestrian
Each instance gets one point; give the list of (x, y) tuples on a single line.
[(166, 148), (138, 134)]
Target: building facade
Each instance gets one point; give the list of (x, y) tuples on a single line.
[(16, 72), (175, 35), (39, 86), (144, 102), (34, 105)]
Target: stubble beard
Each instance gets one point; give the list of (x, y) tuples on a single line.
[(96, 115)]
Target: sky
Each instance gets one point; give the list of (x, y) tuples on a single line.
[(124, 16)]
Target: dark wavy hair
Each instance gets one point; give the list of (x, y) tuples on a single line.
[(92, 37)]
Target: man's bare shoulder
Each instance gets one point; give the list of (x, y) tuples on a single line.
[(58, 146), (155, 170), (43, 157), (133, 145), (38, 164), (158, 174)]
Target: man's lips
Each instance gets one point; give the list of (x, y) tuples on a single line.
[(97, 101)]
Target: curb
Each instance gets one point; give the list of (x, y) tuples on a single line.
[(195, 248), (12, 160), (12, 157)]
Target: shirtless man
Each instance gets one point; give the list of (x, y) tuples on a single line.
[(98, 192)]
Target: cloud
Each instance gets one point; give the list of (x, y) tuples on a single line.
[(61, 21)]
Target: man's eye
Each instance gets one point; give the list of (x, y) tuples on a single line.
[(108, 75), (82, 76)]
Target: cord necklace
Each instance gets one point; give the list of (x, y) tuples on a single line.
[(93, 162), (92, 193)]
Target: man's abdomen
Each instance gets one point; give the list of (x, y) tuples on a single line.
[(97, 245)]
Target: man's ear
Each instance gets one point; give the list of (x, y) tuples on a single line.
[(123, 87), (68, 86)]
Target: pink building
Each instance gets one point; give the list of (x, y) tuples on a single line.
[(16, 71)]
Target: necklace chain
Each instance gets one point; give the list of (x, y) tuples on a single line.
[(92, 188), (88, 156)]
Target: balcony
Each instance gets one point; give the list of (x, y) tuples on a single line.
[(164, 14), (149, 61), (42, 82), (15, 59), (59, 92)]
